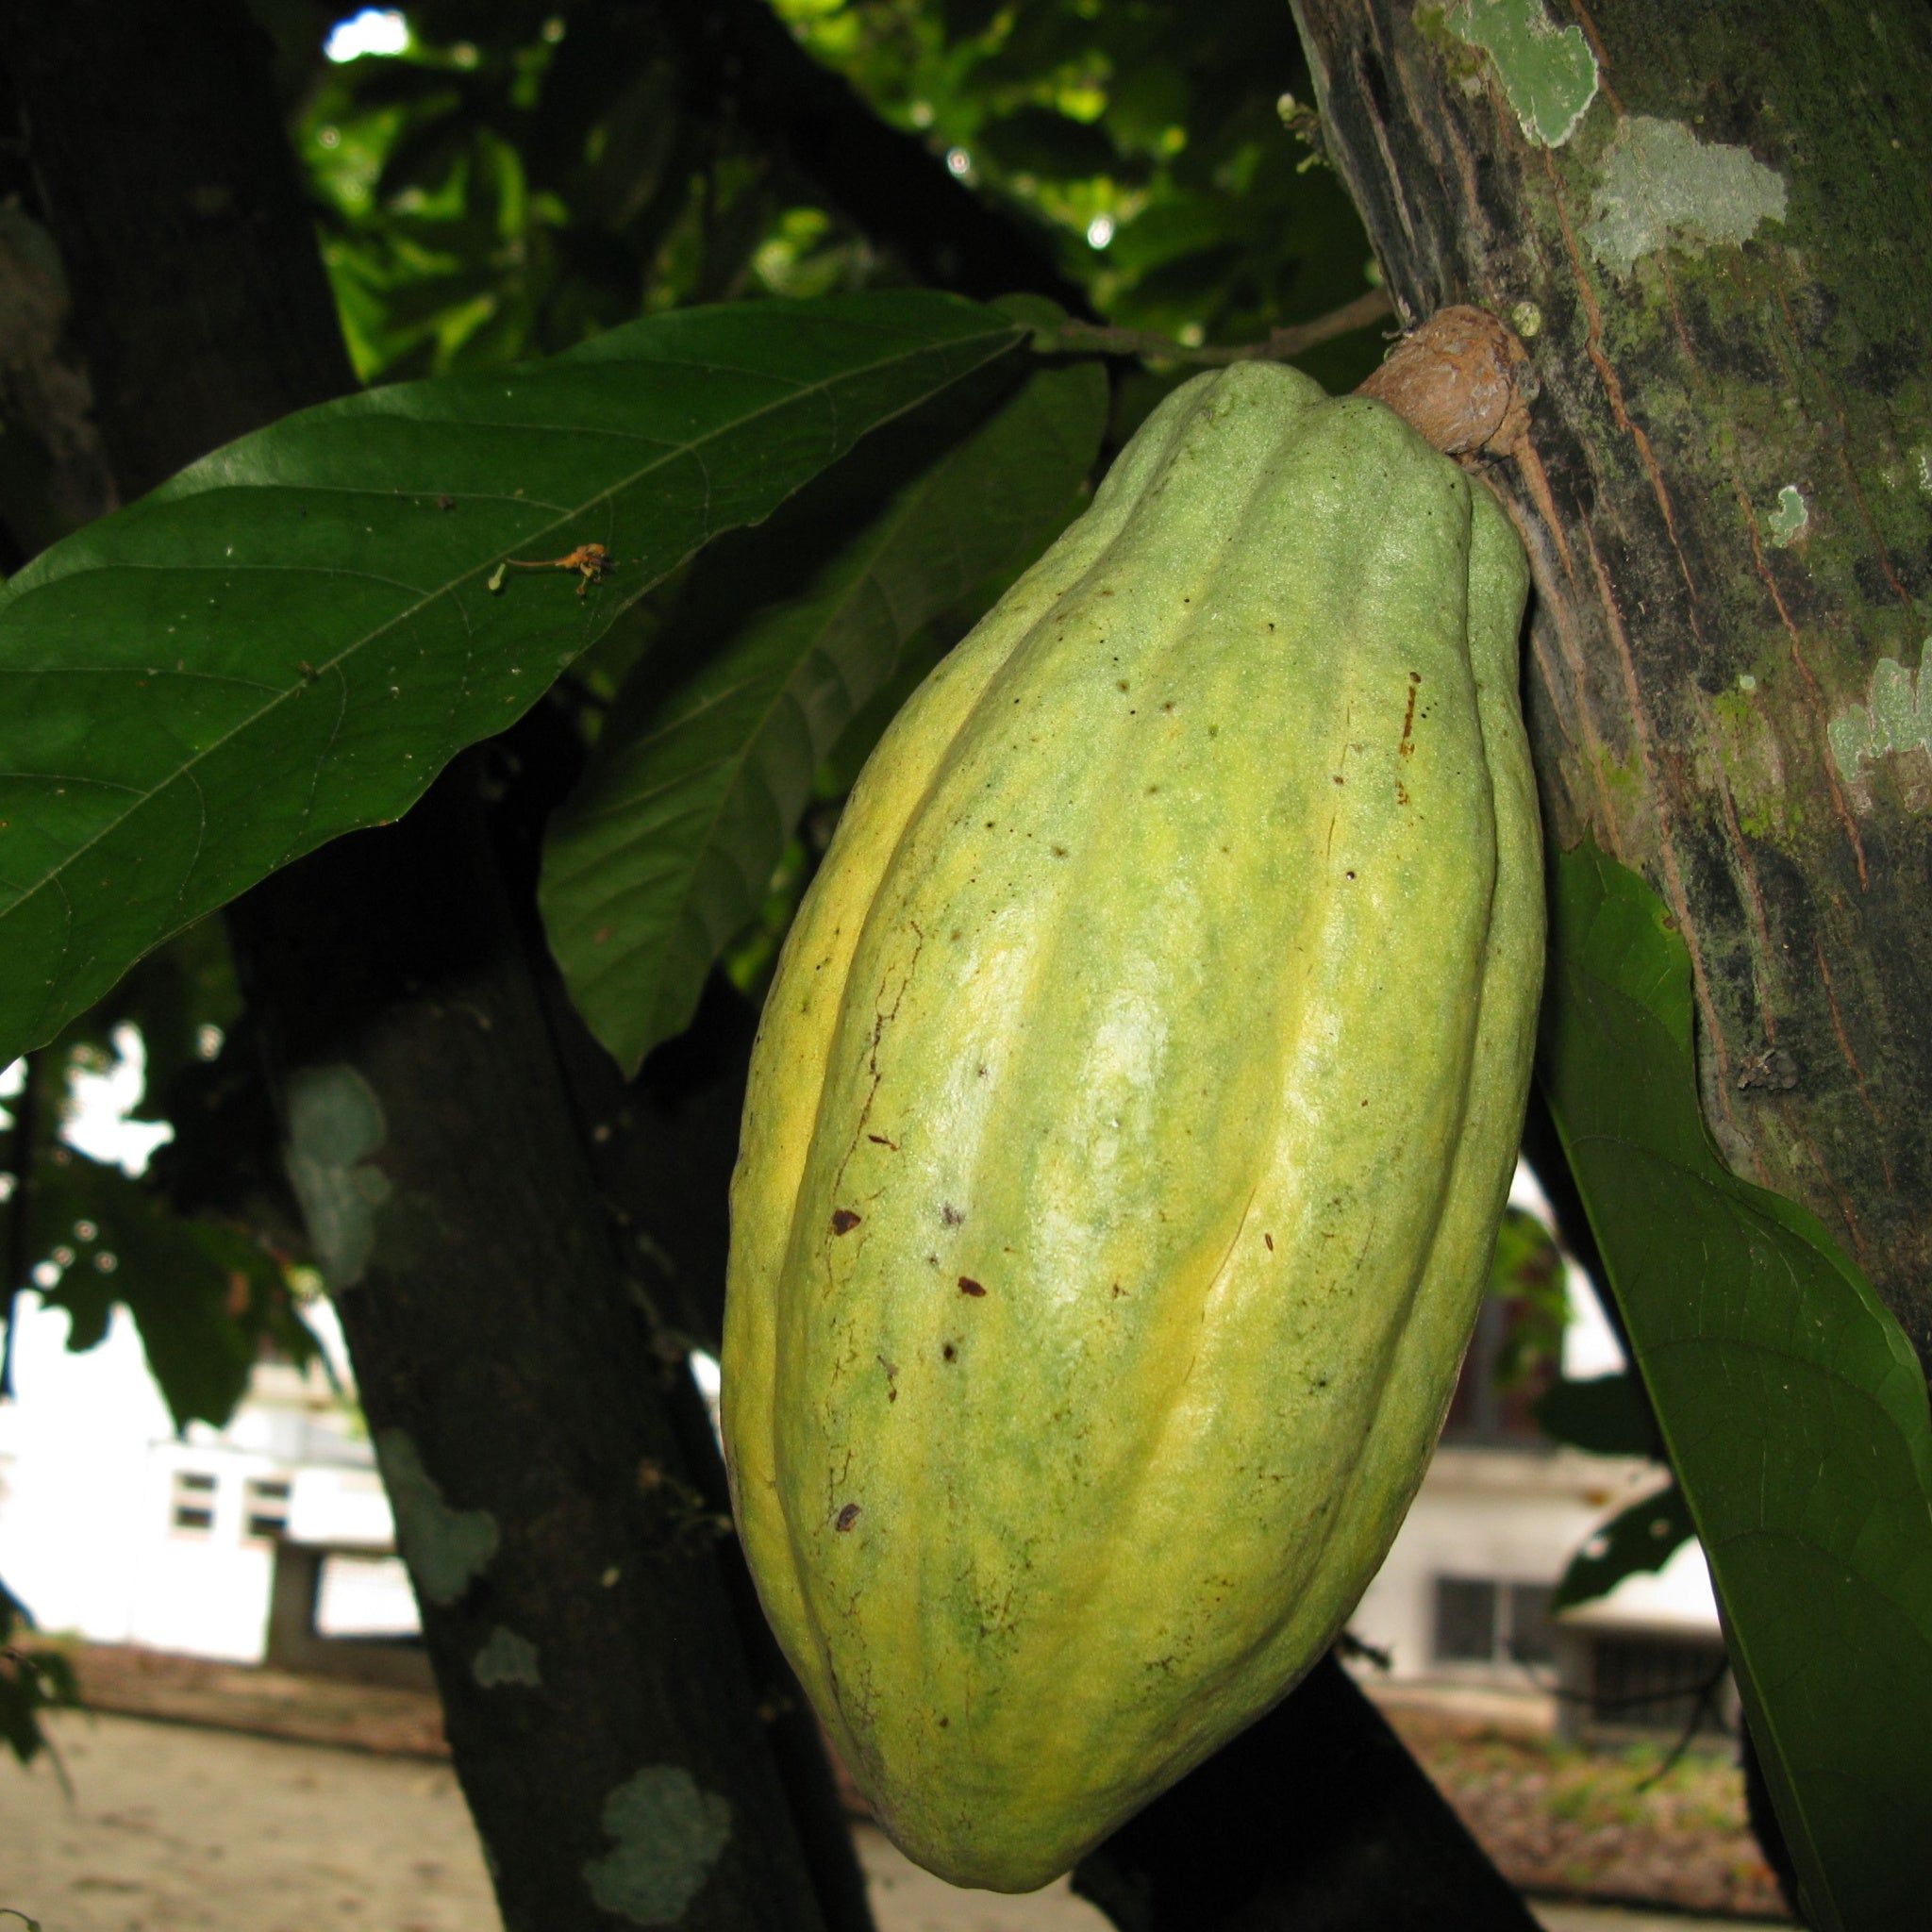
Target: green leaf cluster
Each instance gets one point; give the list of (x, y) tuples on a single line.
[(770, 663), (294, 636), (1148, 136), (522, 178), (35, 1677), (198, 1248)]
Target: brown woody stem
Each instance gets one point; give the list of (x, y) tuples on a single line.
[(1463, 380), (1073, 336)]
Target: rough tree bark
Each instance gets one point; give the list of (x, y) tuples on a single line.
[(539, 1453), (1711, 223)]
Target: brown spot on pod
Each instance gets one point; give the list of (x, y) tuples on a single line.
[(844, 1221), (847, 1517), (968, 1285)]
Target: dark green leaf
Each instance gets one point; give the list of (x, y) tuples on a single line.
[(1038, 140), (1643, 1537), (666, 850), (203, 1295), (33, 1678), (1608, 1415), (1790, 1402), (169, 997), (291, 638)]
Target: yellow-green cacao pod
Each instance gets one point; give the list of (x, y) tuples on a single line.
[(1129, 1124)]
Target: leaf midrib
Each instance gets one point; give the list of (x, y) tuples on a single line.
[(424, 598), (735, 762)]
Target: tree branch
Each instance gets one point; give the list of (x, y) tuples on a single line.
[(1151, 346), (1315, 1820), (888, 182)]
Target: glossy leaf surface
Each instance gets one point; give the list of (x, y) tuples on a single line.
[(1792, 1406), (293, 637)]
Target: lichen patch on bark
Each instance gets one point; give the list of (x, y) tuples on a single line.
[(445, 1549), (507, 1659), (668, 1833), (1895, 719), (1549, 76), (1659, 186), (335, 1124)]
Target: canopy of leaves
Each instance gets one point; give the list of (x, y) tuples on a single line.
[(522, 180), (523, 177)]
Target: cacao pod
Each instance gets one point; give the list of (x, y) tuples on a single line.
[(1129, 1124)]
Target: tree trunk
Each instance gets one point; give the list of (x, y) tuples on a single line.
[(595, 1691), (1315, 1819), (1710, 227), (624, 1733)]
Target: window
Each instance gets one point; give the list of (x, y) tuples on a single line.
[(1657, 1683), (1532, 1638), (1465, 1620), (1481, 1621), (265, 1505), (192, 1503)]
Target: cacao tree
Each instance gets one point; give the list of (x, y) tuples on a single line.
[(1723, 505), (1702, 228)]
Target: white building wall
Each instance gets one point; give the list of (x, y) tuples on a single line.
[(78, 1507), (92, 1484), (1498, 1515)]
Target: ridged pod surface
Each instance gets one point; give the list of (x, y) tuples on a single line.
[(1129, 1124)]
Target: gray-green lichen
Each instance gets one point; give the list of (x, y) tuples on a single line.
[(669, 1832), (1895, 718), (1791, 518), (1659, 186), (335, 1124), (444, 1548), (1549, 75), (506, 1659)]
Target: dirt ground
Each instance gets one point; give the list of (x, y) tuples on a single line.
[(176, 1825), (1636, 1823)]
